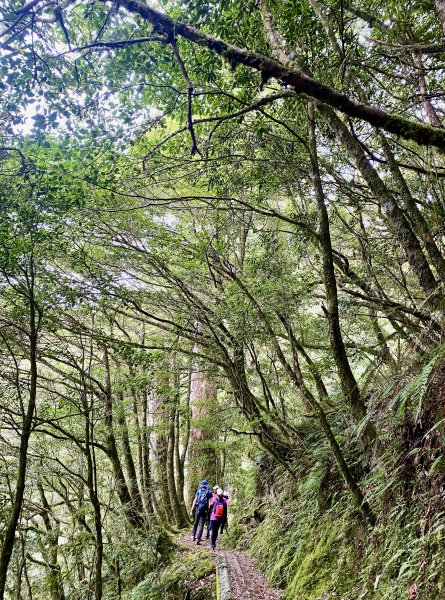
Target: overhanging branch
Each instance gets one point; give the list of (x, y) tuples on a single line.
[(303, 84)]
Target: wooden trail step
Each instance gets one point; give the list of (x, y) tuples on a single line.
[(223, 589)]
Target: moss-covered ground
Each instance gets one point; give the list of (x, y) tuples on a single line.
[(189, 574)]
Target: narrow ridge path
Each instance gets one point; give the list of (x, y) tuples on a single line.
[(246, 580)]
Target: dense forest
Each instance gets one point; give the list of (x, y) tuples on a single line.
[(222, 257)]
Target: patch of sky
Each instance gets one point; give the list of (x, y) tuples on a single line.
[(168, 220)]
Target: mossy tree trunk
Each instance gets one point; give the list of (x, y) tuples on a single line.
[(92, 486), (159, 442), (130, 467), (175, 467), (133, 517), (55, 574), (201, 463), (348, 382), (140, 410), (393, 213), (182, 436)]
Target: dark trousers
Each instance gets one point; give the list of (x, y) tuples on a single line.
[(209, 525), (214, 528), (200, 519)]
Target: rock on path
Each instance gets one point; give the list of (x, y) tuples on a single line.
[(246, 580)]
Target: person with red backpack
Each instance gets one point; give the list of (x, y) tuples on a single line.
[(218, 515), (200, 504)]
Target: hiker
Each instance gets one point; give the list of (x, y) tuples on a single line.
[(218, 515), (200, 504), (214, 494), (224, 524)]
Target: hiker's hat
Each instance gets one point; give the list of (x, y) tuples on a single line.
[(204, 483), (215, 487), (219, 491)]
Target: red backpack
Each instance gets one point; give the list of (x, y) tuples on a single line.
[(218, 509)]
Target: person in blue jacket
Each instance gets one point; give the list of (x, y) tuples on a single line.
[(201, 506)]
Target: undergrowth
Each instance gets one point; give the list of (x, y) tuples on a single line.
[(185, 576), (308, 537)]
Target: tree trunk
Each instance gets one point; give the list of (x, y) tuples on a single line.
[(95, 503), (389, 206), (385, 352), (160, 410), (55, 576), (201, 451), (421, 227), (174, 500), (122, 490), (348, 382), (354, 488), (181, 447), (140, 411), (128, 458), (8, 540), (440, 8), (177, 510)]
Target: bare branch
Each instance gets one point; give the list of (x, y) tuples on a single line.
[(189, 84)]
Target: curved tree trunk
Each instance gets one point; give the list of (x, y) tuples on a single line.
[(395, 216), (348, 382)]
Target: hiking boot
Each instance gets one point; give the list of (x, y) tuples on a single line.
[(198, 542), (213, 547)]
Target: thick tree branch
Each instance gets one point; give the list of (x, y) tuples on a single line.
[(421, 48), (302, 83)]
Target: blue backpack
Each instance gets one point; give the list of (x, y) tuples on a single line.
[(201, 500)]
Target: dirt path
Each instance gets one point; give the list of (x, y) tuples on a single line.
[(246, 580)]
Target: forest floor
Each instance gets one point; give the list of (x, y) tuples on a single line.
[(246, 580)]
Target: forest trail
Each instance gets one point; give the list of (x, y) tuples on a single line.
[(246, 580)]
